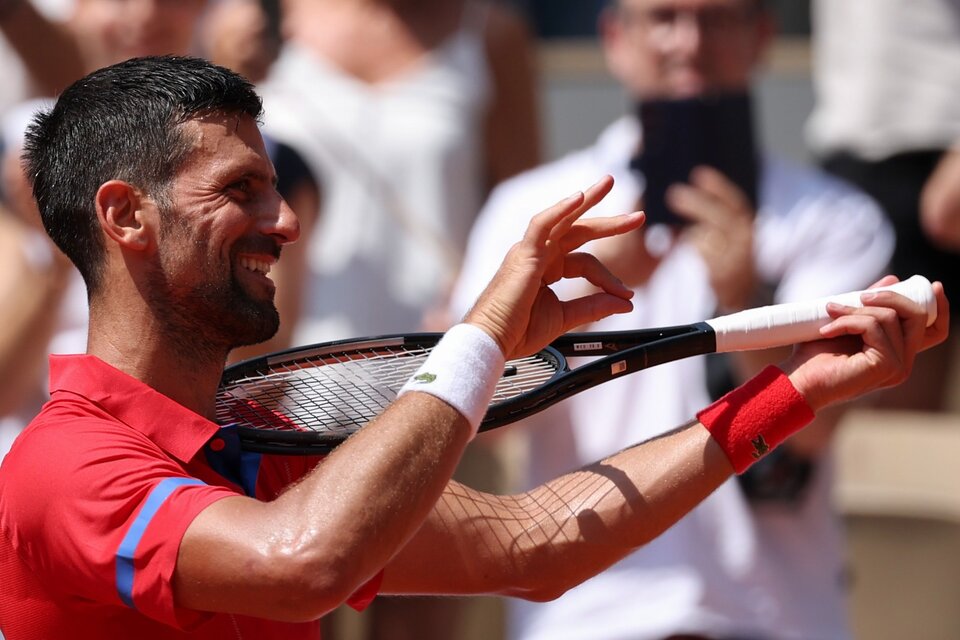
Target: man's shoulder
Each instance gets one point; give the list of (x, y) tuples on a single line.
[(68, 441)]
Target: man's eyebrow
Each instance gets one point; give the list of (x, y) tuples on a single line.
[(262, 176)]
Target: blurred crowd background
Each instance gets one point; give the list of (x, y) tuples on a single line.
[(390, 123)]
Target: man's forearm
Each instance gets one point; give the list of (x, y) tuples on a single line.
[(309, 549), (538, 544)]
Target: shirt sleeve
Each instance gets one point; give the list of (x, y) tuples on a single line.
[(362, 598), (103, 511)]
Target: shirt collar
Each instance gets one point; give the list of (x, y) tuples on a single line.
[(174, 428)]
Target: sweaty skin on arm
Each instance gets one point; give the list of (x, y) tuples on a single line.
[(304, 553), (538, 544), (363, 508)]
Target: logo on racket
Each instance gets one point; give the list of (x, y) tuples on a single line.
[(760, 447), (426, 378)]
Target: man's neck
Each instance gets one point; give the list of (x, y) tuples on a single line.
[(140, 348)]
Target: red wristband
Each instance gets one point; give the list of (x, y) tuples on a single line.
[(755, 417)]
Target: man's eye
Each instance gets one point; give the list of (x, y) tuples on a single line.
[(243, 186)]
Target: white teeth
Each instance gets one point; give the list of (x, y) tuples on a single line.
[(255, 265)]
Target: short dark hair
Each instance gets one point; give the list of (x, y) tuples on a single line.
[(121, 122)]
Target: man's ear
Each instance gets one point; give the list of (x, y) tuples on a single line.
[(126, 215)]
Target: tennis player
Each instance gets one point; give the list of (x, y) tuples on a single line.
[(126, 511)]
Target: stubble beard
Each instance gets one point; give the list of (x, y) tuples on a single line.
[(206, 320)]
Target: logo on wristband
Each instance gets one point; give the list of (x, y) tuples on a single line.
[(426, 378), (760, 447)]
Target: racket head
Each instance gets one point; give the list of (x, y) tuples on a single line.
[(308, 400)]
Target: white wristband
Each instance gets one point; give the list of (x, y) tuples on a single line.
[(463, 371)]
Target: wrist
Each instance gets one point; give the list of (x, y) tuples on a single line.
[(754, 418), (808, 390), (463, 371), (487, 331), (481, 320)]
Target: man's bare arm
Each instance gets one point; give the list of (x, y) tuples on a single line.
[(303, 554), (540, 543)]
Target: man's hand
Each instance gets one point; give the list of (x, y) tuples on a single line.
[(518, 308), (721, 229), (866, 348)]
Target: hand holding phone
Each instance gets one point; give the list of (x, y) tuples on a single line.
[(678, 135)]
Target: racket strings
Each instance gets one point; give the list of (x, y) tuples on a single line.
[(531, 372), (333, 394)]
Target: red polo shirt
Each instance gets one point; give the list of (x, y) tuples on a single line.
[(95, 496)]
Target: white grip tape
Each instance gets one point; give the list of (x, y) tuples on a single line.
[(462, 370), (785, 324)]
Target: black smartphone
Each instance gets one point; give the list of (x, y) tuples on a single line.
[(678, 135)]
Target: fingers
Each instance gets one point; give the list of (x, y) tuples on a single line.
[(892, 327), (720, 186), (938, 331), (542, 224), (614, 297), (562, 226), (585, 265), (885, 281), (591, 196), (554, 222), (911, 314), (710, 198), (722, 232), (517, 307), (591, 308), (585, 231), (885, 341)]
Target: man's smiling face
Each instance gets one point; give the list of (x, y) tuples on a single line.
[(221, 228)]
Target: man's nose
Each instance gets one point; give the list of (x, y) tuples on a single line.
[(284, 225)]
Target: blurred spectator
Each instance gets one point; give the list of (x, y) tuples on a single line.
[(243, 35), (42, 296), (29, 284), (38, 53), (113, 30), (98, 33), (887, 118), (407, 132), (761, 557)]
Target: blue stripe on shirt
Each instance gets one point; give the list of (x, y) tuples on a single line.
[(128, 546)]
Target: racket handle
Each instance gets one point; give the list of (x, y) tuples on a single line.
[(780, 325)]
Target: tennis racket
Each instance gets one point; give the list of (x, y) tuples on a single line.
[(309, 399)]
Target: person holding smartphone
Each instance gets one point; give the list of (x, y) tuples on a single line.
[(729, 227)]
